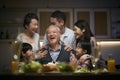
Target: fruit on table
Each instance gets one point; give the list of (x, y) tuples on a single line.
[(31, 67), (82, 70), (63, 67)]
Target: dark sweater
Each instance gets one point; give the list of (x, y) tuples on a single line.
[(64, 56)]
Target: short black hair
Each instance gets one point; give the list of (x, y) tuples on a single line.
[(26, 47), (59, 15), (28, 17)]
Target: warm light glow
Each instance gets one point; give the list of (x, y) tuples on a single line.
[(41, 43), (16, 41), (108, 42)]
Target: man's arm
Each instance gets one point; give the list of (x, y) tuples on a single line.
[(45, 41)]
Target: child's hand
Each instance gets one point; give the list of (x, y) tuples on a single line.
[(73, 61), (42, 54), (32, 57)]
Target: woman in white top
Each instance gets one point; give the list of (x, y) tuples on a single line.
[(83, 34), (30, 34)]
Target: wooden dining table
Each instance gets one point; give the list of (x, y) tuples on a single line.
[(61, 76)]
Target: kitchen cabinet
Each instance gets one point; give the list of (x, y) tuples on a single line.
[(11, 22), (6, 55), (98, 19), (115, 23)]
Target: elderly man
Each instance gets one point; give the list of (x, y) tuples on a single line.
[(56, 51)]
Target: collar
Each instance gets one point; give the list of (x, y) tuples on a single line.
[(50, 49), (65, 33)]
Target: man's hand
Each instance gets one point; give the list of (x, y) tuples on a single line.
[(68, 48)]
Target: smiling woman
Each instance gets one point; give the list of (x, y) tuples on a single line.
[(30, 34)]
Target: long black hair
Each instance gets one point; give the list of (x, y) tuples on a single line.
[(82, 24)]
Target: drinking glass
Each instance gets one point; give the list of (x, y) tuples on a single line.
[(95, 56)]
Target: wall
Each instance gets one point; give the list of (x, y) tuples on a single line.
[(60, 3), (115, 22), (6, 56), (110, 47)]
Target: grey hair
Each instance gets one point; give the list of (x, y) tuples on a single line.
[(58, 29), (52, 25)]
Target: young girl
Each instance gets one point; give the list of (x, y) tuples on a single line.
[(86, 40), (84, 59), (27, 53)]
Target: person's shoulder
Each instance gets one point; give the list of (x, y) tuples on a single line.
[(69, 30), (20, 34), (36, 35)]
